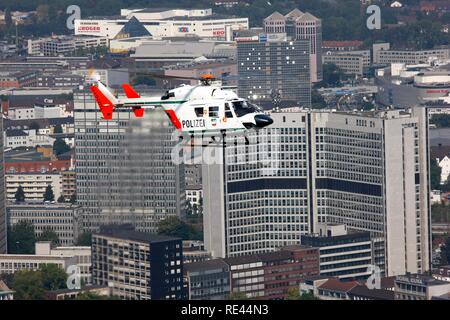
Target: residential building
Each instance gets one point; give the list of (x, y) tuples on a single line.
[(62, 218), (17, 79), (33, 184), (347, 256), (335, 289), (273, 73), (68, 184), (315, 167), (61, 45), (419, 287), (16, 138), (300, 26), (124, 172), (5, 292), (207, 280), (137, 265)]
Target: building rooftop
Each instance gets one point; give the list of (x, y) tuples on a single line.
[(375, 294), (421, 278), (282, 254), (205, 265), (334, 284), (127, 232), (317, 240)]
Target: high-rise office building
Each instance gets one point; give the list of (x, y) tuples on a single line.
[(300, 25), (368, 171), (3, 224), (274, 72), (137, 265), (124, 170)]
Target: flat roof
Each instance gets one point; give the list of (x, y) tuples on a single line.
[(205, 265), (126, 233)]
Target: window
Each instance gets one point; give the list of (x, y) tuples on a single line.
[(199, 111), (213, 112), (228, 113), (244, 107)]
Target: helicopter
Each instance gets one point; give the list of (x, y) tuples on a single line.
[(204, 108)]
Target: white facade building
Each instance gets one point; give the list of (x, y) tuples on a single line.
[(33, 184), (171, 23), (364, 170)]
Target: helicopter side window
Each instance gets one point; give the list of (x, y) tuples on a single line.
[(241, 108), (199, 112), (228, 113), (213, 112)]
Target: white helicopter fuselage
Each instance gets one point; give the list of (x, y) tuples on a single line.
[(191, 109), (200, 108)]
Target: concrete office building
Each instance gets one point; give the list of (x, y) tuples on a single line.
[(124, 171), (342, 255), (3, 223), (137, 265), (368, 171), (259, 276), (274, 72), (207, 280), (351, 62), (301, 26), (33, 184), (419, 287), (62, 218), (383, 54)]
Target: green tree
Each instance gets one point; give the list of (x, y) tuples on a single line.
[(60, 146), (445, 253), (317, 100), (435, 175), (86, 295), (308, 296), (53, 277), (20, 194), (73, 198), (61, 199), (293, 294), (58, 129), (21, 238), (85, 239), (8, 18), (48, 194), (440, 120), (333, 76), (28, 285), (174, 227), (49, 235)]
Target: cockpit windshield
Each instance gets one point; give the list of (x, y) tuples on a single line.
[(244, 107)]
